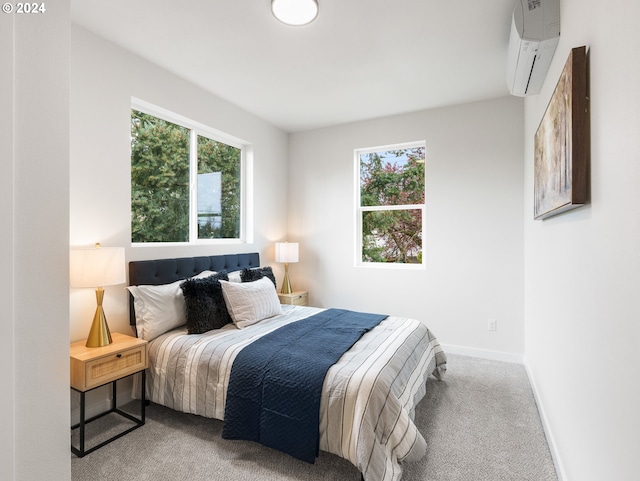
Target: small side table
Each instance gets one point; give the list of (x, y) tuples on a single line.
[(93, 367), (296, 298)]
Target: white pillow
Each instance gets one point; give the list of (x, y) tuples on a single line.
[(159, 308), (251, 302), (235, 276)]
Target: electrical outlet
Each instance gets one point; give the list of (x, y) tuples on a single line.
[(491, 324)]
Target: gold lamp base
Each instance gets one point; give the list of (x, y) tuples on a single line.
[(99, 335), (286, 283)]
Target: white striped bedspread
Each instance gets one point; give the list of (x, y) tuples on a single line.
[(368, 397)]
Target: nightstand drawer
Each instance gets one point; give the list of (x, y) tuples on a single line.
[(300, 298), (112, 367), (95, 366)]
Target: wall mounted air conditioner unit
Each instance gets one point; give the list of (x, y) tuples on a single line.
[(535, 31)]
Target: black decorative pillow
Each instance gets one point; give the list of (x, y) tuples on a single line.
[(250, 275), (205, 305)]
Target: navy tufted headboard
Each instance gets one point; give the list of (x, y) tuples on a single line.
[(164, 271)]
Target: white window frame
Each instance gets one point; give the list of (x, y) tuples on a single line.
[(196, 128), (359, 209)]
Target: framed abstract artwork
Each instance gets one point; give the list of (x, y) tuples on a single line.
[(562, 143)]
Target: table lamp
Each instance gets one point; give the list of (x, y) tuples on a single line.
[(97, 267), (286, 252)]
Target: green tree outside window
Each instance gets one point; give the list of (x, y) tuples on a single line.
[(162, 207), (392, 197)]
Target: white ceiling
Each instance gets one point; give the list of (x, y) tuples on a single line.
[(359, 59)]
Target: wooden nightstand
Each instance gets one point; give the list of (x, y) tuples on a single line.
[(93, 367), (296, 298)]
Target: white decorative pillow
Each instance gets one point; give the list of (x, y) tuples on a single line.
[(251, 302), (159, 308), (234, 276)]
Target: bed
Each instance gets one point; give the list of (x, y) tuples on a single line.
[(368, 397)]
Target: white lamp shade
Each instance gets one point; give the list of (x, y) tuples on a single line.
[(295, 12), (98, 267), (286, 252)]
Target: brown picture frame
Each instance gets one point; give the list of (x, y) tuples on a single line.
[(562, 145)]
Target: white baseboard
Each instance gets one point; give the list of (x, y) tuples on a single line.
[(483, 353), (560, 472)]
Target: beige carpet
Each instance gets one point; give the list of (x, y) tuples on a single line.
[(481, 424)]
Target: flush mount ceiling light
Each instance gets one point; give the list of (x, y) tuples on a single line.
[(295, 12)]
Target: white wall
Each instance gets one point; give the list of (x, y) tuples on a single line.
[(583, 268), (7, 378), (34, 147), (104, 77), (474, 231)]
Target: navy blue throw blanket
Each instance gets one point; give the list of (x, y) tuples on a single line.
[(276, 381)]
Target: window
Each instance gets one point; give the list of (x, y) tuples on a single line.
[(186, 180), (390, 205)]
